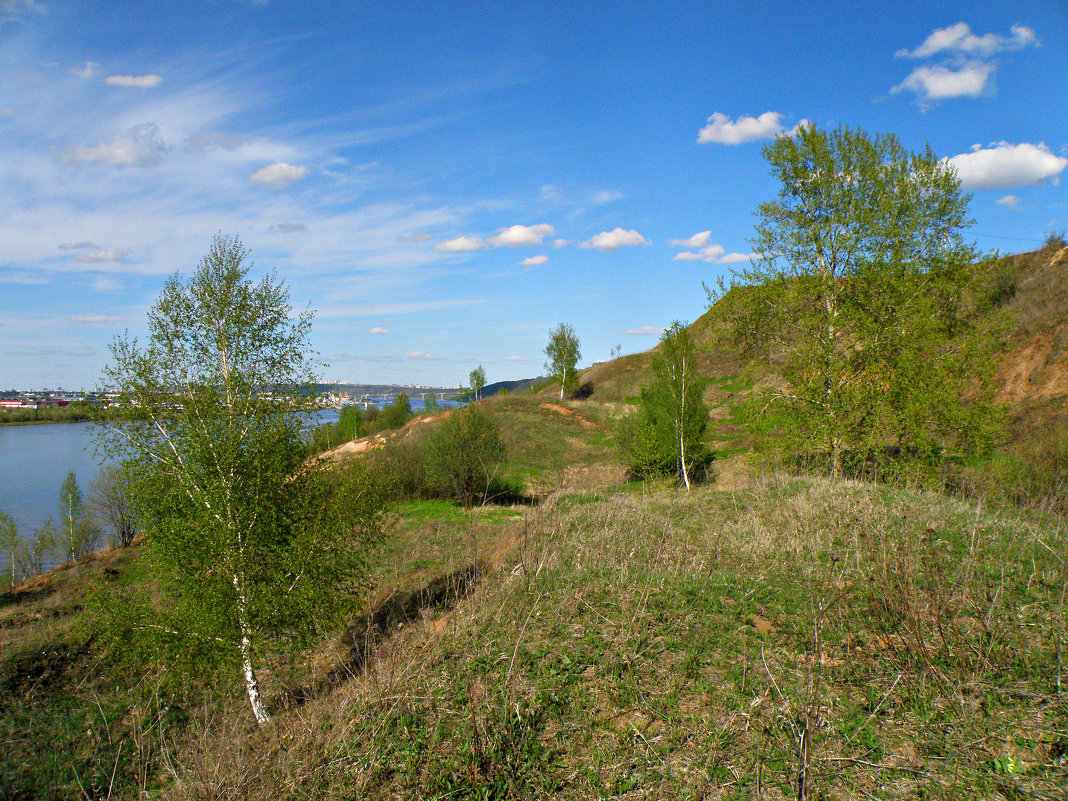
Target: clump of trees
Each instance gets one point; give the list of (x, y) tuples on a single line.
[(864, 294), (250, 546), (664, 437)]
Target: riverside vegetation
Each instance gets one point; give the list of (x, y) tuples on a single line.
[(553, 628)]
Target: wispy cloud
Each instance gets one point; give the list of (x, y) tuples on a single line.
[(534, 261), (647, 330), (940, 82), (87, 72), (960, 39), (134, 81), (95, 319), (378, 331), (101, 256), (461, 244), (1011, 201), (714, 253), (141, 146)]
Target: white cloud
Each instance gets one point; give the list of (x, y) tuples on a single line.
[(141, 145), (105, 283), (615, 239), (418, 354), (1011, 201), (95, 318), (647, 330), (606, 196), (695, 241), (83, 245), (722, 130), (939, 82), (87, 72), (960, 39), (517, 359), (378, 331), (25, 279), (287, 228), (520, 235), (278, 175), (1005, 166), (101, 256), (460, 244), (534, 261), (135, 81), (559, 243), (714, 254)]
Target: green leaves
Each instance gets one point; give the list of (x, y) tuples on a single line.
[(860, 296)]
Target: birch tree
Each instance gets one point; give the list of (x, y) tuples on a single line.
[(665, 436), (562, 355), (9, 541), (860, 297), (248, 546)]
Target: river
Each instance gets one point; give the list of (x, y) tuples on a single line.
[(35, 461)]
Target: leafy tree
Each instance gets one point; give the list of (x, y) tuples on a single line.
[(32, 555), (111, 498), (248, 545), (430, 403), (862, 291), (478, 381), (561, 356), (394, 414), (80, 530), (9, 541), (462, 454), (665, 436)]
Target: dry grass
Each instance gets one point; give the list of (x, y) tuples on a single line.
[(653, 645)]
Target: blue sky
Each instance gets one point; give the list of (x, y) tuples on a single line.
[(444, 183)]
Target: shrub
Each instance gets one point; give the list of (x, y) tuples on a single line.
[(461, 456)]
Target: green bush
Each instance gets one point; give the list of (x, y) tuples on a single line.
[(462, 454)]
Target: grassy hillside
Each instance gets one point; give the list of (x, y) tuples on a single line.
[(594, 638), (628, 643)]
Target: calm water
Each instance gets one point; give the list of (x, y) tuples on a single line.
[(35, 460)]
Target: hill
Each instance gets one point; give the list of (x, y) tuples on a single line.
[(588, 637)]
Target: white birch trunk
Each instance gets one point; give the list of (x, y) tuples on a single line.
[(682, 425), (252, 685)]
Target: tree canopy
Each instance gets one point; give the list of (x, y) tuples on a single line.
[(862, 294)]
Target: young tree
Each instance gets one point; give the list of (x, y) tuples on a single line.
[(561, 356), (9, 541), (247, 543), (70, 505), (861, 289), (110, 497), (32, 555), (665, 435), (478, 380)]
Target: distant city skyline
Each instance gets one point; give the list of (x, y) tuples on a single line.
[(444, 188)]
